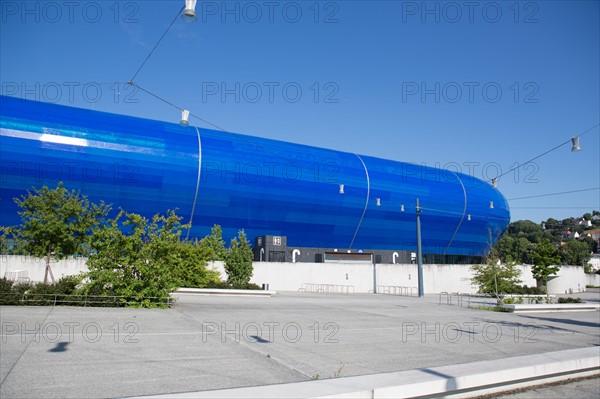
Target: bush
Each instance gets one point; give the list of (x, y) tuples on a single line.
[(10, 293), (238, 261), (525, 290), (570, 300), (37, 293), (5, 285), (494, 278), (228, 286)]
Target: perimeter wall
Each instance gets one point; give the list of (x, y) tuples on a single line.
[(361, 277)]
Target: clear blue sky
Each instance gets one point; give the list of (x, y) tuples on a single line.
[(476, 87)]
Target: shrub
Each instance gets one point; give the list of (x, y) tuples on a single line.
[(570, 300), (238, 261), (494, 278), (226, 285), (525, 290)]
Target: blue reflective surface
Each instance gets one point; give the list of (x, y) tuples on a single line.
[(266, 187)]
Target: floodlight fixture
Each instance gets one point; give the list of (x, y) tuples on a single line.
[(189, 12), (575, 142), (185, 115)]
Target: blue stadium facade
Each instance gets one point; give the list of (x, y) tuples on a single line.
[(316, 197)]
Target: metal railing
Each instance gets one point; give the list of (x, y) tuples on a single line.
[(397, 290), (11, 298), (470, 300), (327, 288), (449, 296)]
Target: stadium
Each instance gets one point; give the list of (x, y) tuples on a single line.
[(285, 196)]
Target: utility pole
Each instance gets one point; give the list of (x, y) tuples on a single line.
[(419, 251)]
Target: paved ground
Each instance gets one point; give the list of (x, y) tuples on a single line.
[(222, 342), (588, 388)]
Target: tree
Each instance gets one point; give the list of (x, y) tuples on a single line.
[(545, 260), (496, 278), (141, 259), (238, 261), (552, 224), (587, 216), (192, 269), (214, 243), (591, 242), (56, 223), (525, 228), (575, 252), (512, 249), (5, 232)]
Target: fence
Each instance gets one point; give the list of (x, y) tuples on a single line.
[(488, 300), (327, 288), (397, 290), (13, 298)]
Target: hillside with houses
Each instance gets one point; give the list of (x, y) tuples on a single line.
[(576, 240)]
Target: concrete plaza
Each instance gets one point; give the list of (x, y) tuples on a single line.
[(216, 342)]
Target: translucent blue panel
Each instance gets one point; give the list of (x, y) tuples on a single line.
[(265, 187)]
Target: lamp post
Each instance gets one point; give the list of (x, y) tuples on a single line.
[(419, 251)]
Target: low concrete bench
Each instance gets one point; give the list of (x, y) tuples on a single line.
[(551, 307), (223, 292)]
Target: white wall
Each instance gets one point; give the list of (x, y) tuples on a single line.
[(568, 280), (592, 279), (291, 276), (36, 267)]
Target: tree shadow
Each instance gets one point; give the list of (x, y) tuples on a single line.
[(566, 321)]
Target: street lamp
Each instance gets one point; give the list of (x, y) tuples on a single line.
[(189, 12), (185, 115), (419, 251), (575, 143)]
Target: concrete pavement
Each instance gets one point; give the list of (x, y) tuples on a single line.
[(207, 343)]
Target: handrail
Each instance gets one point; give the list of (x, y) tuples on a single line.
[(327, 288), (63, 299), (399, 290)]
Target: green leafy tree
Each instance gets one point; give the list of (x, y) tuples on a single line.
[(552, 224), (143, 259), (496, 278), (192, 269), (513, 249), (5, 232), (56, 223), (575, 252), (545, 262), (238, 261), (591, 242), (587, 216), (214, 243), (526, 229)]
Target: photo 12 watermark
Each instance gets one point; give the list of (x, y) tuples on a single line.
[(454, 333), (35, 173), (72, 12), (72, 92), (70, 331), (470, 12), (470, 92), (270, 332), (269, 172), (270, 92), (254, 12), (526, 173)]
